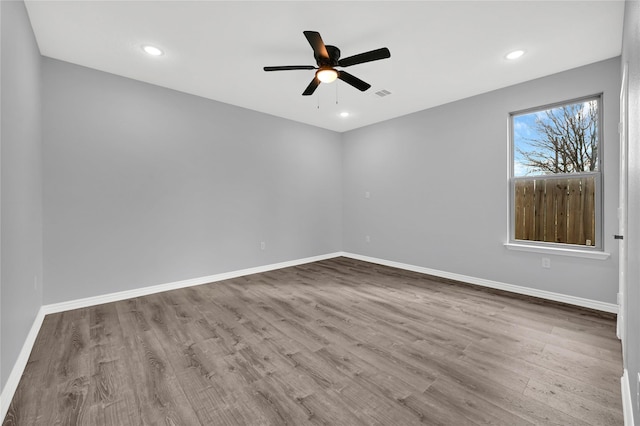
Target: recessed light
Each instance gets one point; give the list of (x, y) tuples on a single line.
[(152, 50), (344, 114), (515, 54)]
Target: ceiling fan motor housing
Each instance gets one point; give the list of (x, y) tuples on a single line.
[(334, 57)]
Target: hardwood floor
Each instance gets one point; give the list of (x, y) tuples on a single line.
[(339, 342)]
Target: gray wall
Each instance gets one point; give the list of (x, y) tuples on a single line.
[(21, 183), (438, 187), (631, 55), (144, 185)]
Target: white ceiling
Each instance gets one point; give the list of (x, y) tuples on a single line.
[(441, 51)]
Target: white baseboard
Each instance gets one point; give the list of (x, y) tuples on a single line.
[(10, 387), (16, 372), (627, 404), (572, 300), (144, 291)]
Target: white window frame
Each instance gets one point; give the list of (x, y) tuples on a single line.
[(596, 251)]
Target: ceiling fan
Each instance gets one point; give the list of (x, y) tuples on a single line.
[(327, 58)]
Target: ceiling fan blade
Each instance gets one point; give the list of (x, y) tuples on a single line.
[(311, 87), (290, 67), (373, 55), (314, 39), (354, 81)]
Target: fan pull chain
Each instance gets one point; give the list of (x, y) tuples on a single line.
[(318, 97), (336, 93)]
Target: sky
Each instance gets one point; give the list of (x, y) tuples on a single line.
[(524, 130)]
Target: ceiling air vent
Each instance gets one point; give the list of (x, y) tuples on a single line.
[(382, 93)]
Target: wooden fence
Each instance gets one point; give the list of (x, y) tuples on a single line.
[(556, 210)]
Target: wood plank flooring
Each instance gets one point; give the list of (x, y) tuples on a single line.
[(336, 342)]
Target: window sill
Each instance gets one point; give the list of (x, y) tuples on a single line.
[(588, 254)]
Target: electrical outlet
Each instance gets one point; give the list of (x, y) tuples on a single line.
[(546, 263), (263, 245), (367, 239)]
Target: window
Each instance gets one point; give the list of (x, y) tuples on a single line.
[(556, 175)]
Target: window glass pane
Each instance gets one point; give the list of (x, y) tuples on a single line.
[(563, 139), (556, 209)]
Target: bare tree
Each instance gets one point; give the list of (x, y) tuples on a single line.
[(567, 140)]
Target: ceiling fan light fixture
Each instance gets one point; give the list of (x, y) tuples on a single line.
[(327, 75)]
